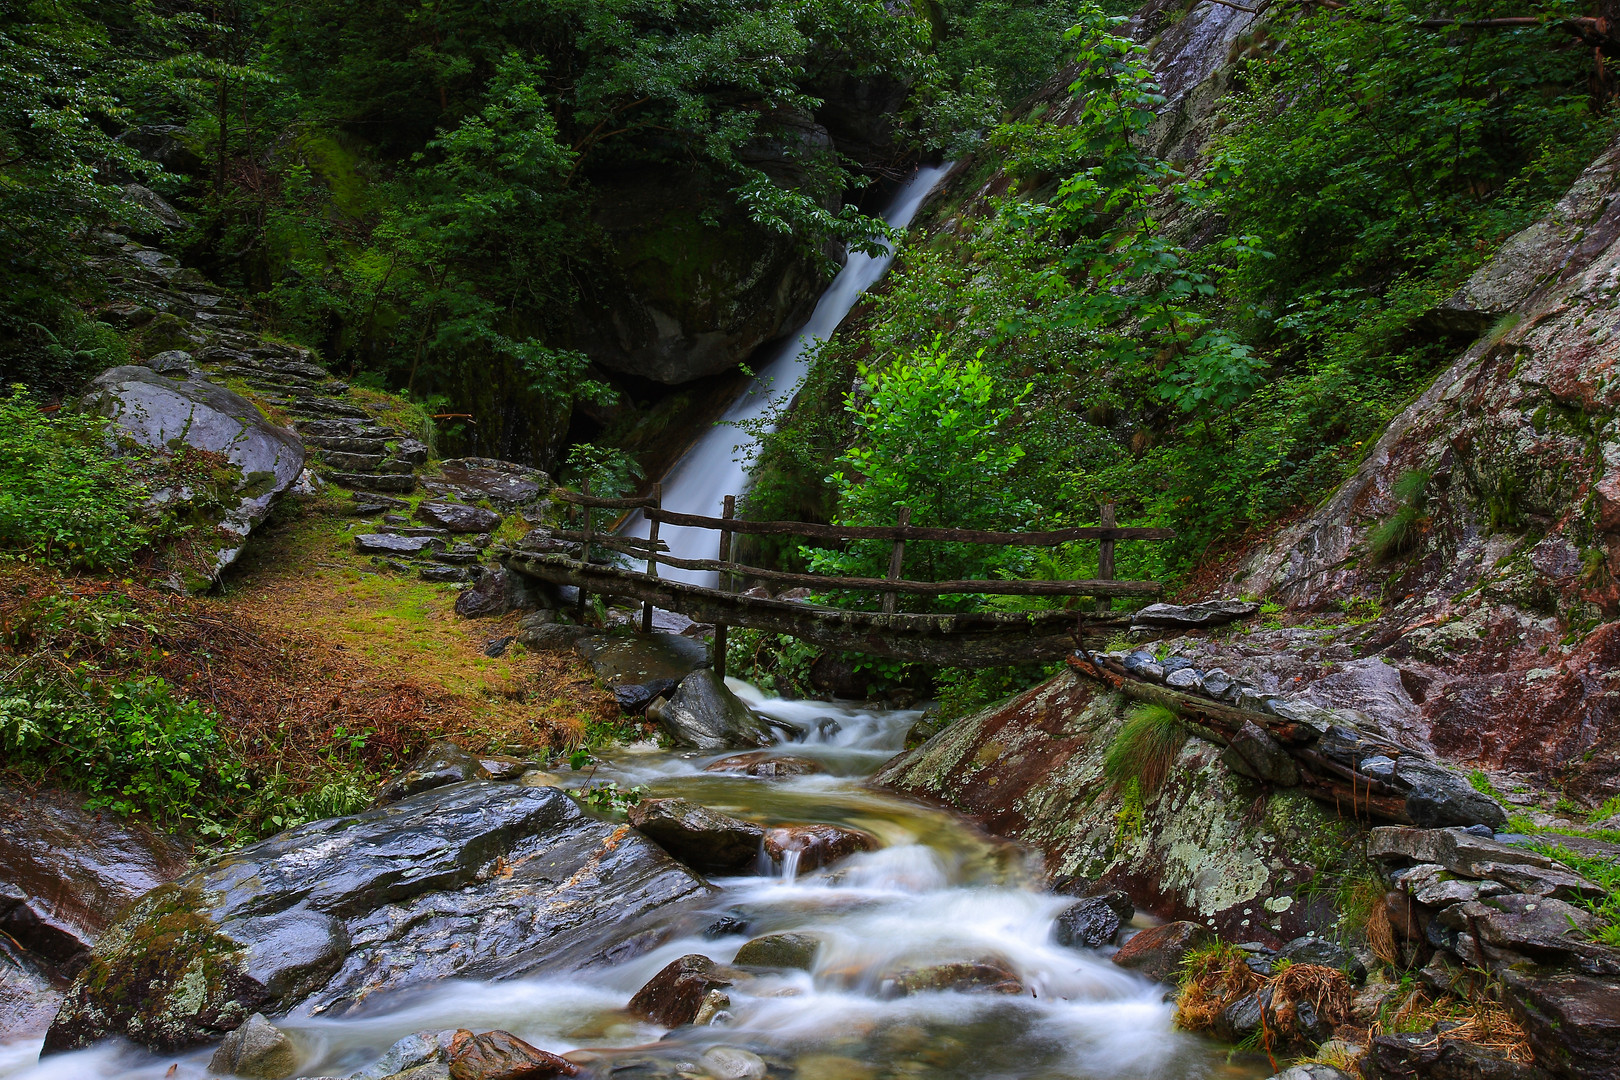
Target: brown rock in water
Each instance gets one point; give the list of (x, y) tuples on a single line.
[(817, 845), (1159, 952), (985, 976), (699, 837), (764, 763), (676, 994), (500, 1055)]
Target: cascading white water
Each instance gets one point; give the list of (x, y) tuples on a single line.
[(713, 468)]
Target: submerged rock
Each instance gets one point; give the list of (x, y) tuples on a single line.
[(986, 976), (158, 412), (675, 995), (766, 764), (474, 880)]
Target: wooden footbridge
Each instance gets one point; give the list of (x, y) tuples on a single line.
[(568, 557)]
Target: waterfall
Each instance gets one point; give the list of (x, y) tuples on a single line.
[(713, 467)]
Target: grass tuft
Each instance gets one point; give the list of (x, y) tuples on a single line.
[(1145, 748)]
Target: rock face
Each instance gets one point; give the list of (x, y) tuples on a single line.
[(1510, 597), (691, 298), (705, 715), (472, 879), (65, 875), (155, 410), (1210, 846)]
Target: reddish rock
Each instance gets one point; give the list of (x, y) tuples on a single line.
[(1159, 952), (766, 764), (816, 845), (674, 995), (500, 1055)]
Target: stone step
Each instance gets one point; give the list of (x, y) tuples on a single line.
[(396, 465), (416, 530), (447, 574), (318, 409), (351, 462), (395, 484), (345, 428), (346, 445)]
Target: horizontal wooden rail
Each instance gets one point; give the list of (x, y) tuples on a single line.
[(907, 532), (1076, 587), (581, 499)]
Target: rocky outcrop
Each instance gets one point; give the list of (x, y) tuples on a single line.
[(472, 879), (1159, 953), (163, 413), (690, 297), (1503, 630), (1287, 740), (1210, 846), (1472, 903), (66, 873)]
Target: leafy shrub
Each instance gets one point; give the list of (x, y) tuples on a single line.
[(133, 744), (63, 497)]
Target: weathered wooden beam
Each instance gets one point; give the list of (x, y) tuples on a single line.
[(1361, 796), (946, 640), (585, 498), (1079, 587), (909, 532)]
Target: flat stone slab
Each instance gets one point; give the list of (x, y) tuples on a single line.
[(389, 544), (505, 483), (1208, 613)]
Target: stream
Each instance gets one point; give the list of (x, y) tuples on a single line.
[(935, 891)]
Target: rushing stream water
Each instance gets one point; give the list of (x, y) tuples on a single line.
[(936, 891)]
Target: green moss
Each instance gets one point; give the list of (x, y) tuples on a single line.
[(339, 168)]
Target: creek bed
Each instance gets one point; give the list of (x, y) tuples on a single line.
[(936, 891)]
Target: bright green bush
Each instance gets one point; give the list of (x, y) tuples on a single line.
[(134, 745), (63, 496)]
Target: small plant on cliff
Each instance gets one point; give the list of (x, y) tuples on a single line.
[(1145, 748), (1399, 533)]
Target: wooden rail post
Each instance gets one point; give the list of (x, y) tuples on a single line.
[(897, 559), (652, 555), (728, 513), (584, 550), (1105, 556)]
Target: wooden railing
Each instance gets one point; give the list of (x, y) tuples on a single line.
[(656, 553)]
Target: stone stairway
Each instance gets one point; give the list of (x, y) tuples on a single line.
[(189, 324)]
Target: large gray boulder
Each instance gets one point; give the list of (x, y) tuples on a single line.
[(161, 412), (473, 880)]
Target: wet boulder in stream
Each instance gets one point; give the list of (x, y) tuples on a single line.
[(704, 839), (675, 995), (470, 880), (704, 714), (763, 763)]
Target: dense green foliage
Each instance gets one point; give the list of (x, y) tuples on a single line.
[(63, 498), (1371, 164)]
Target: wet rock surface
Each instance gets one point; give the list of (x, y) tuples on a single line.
[(987, 976), (699, 837), (257, 1049), (157, 411), (1158, 952), (472, 879), (641, 667), (780, 951), (705, 715), (815, 846), (66, 873), (458, 517), (1093, 921), (675, 995), (504, 483), (440, 764)]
